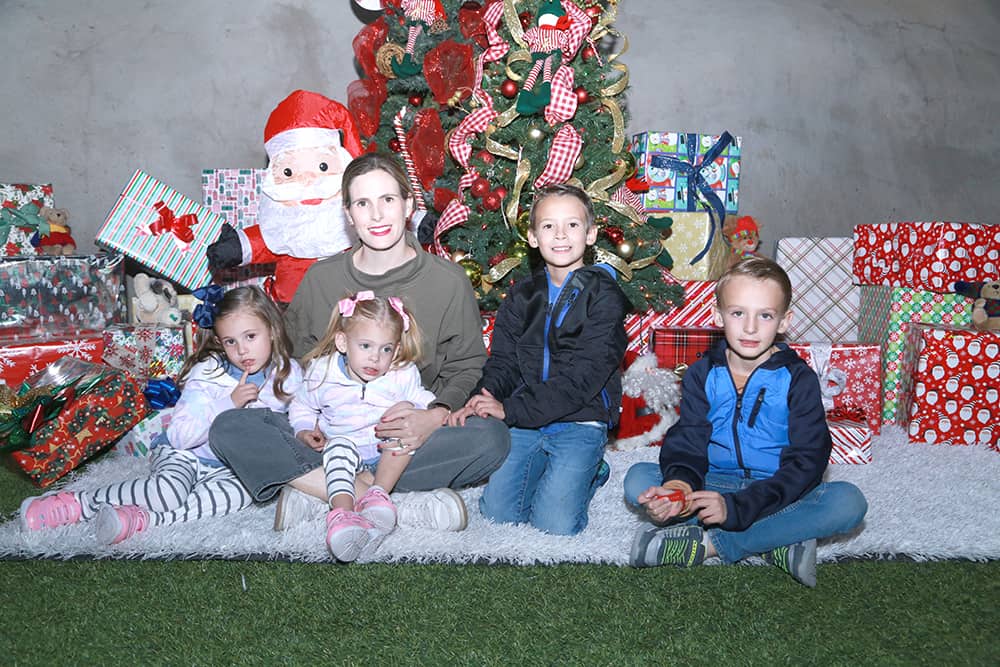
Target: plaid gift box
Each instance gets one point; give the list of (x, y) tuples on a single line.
[(690, 235), (679, 347), (149, 433), (925, 255), (852, 441), (235, 195), (16, 239), (55, 296), (145, 351), (673, 189), (885, 315), (21, 360), (163, 230), (88, 424), (824, 297), (849, 375), (699, 300), (950, 392)]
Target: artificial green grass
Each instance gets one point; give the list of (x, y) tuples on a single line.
[(198, 613)]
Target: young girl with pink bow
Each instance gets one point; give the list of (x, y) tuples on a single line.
[(363, 366)]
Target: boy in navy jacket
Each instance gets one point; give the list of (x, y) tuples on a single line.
[(553, 373), (742, 469)]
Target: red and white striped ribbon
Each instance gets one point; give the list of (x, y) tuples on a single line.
[(626, 197), (411, 168), (565, 149)]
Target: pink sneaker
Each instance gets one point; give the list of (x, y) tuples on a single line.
[(376, 506), (119, 522), (347, 534), (50, 511)]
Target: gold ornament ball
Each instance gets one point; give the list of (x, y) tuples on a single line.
[(519, 250), (523, 223), (625, 250), (535, 134), (579, 162), (473, 271)]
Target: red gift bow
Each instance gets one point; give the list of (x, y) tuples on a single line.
[(846, 412), (170, 223)]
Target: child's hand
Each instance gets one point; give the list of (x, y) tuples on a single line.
[(245, 392), (458, 417), (312, 438), (484, 405), (710, 506), (658, 506)]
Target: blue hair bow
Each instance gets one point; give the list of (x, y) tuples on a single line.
[(204, 313)]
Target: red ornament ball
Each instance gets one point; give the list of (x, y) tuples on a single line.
[(502, 191), (416, 100), (587, 53), (471, 6), (594, 12), (614, 234), (509, 88), (479, 187), (525, 18), (582, 96), (492, 201), (486, 156), (394, 145)]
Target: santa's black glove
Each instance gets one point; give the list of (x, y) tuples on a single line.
[(425, 227), (226, 252)]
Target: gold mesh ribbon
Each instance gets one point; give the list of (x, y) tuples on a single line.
[(626, 269), (518, 56), (513, 22), (502, 268), (598, 189), (520, 178)]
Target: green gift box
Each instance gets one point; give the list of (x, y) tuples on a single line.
[(886, 313)]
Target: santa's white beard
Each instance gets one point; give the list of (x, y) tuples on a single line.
[(305, 231)]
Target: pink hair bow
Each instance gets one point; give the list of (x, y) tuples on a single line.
[(397, 304), (347, 304)]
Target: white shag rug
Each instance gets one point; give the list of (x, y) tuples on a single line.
[(925, 503)]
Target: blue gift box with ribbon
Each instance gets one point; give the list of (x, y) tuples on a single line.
[(689, 171)]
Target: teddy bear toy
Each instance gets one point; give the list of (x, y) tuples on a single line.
[(986, 307), (743, 235), (650, 396), (155, 302), (59, 240)]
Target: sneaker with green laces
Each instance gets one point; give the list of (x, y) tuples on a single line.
[(798, 560), (683, 546), (603, 474)]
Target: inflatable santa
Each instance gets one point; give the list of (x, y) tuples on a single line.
[(309, 140)]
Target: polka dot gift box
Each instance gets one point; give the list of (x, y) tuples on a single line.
[(951, 389), (925, 255)]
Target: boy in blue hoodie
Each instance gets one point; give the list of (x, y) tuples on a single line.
[(740, 473)]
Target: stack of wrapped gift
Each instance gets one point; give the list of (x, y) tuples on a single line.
[(907, 271), (825, 300)]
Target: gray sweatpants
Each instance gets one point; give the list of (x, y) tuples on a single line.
[(259, 446)]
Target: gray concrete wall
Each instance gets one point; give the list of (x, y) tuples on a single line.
[(851, 111)]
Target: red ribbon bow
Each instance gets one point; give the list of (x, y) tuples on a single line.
[(846, 412), (170, 223)]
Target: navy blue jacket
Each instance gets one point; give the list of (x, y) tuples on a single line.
[(775, 433), (563, 365)]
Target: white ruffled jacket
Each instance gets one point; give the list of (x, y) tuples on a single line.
[(351, 409), (207, 393)]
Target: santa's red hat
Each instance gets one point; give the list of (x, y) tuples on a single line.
[(306, 119)]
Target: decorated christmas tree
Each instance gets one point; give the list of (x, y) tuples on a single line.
[(487, 101)]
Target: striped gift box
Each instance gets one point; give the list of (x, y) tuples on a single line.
[(699, 300), (852, 442), (127, 229), (825, 300)]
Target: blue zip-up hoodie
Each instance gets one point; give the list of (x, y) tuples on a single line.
[(775, 433), (560, 364)]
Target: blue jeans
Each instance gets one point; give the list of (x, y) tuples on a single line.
[(548, 478), (829, 509)]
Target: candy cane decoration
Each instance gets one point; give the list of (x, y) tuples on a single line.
[(411, 169)]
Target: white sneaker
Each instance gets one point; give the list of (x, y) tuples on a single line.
[(440, 509), (295, 507)]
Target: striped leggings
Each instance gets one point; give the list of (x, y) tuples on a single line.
[(179, 488), (341, 464)]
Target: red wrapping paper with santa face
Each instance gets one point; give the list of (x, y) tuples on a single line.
[(925, 255), (850, 376), (951, 389)]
